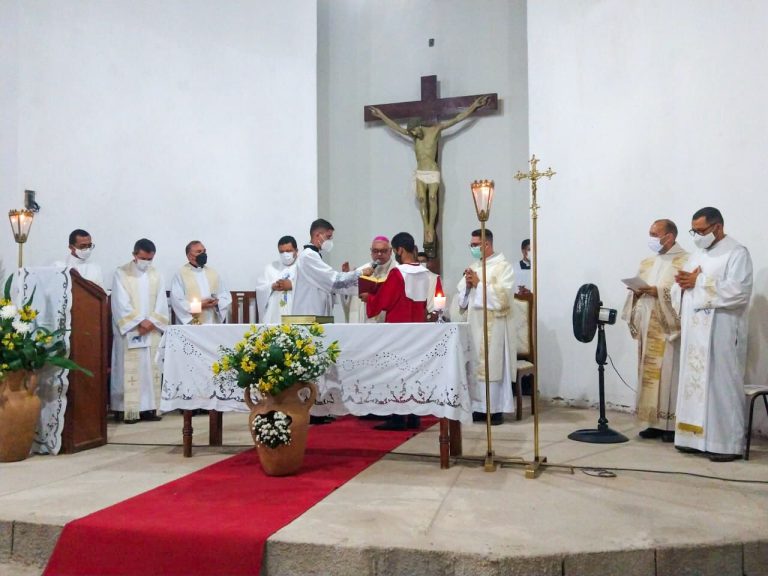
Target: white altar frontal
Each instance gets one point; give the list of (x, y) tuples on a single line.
[(382, 369)]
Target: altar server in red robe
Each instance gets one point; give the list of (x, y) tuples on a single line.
[(403, 296)]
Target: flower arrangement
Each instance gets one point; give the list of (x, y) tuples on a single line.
[(272, 429), (23, 344), (270, 359)]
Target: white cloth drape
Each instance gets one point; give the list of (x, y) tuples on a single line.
[(382, 369)]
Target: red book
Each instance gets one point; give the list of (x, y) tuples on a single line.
[(368, 284)]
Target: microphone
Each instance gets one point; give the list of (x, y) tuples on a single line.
[(374, 264)]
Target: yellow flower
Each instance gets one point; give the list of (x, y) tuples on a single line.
[(216, 368)]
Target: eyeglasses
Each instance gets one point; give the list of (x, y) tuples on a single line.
[(704, 232), (382, 251), (85, 246)]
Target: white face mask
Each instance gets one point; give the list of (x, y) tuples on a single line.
[(704, 242), (655, 244), (143, 265), (287, 258), (83, 253), (326, 246)]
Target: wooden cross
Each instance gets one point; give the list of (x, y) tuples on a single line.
[(430, 108), (429, 111)]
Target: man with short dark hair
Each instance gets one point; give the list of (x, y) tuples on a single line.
[(139, 316), (199, 283), (316, 281), (525, 250), (80, 250), (274, 290), (655, 324), (502, 342), (716, 286)]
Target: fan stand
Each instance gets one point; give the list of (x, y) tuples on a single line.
[(602, 434)]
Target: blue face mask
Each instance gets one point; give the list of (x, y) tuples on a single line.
[(475, 250)]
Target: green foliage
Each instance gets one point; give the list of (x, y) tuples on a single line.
[(23, 344)]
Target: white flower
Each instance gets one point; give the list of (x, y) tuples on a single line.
[(22, 327), (8, 311)]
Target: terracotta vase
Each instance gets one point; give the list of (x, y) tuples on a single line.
[(286, 459), (19, 413)]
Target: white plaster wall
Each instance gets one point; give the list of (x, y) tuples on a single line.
[(646, 109), (170, 119), (375, 52)]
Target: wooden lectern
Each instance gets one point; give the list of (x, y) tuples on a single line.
[(85, 421)]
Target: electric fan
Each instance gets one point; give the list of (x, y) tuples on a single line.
[(589, 316)]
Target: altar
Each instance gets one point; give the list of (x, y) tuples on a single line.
[(382, 369)]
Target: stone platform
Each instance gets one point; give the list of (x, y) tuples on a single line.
[(662, 513)]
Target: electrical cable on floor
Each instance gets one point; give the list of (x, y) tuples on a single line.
[(601, 472), (619, 374)]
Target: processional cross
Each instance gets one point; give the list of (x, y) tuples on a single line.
[(424, 128)]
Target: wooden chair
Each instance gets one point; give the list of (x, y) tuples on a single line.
[(754, 392), (244, 309), (524, 328)]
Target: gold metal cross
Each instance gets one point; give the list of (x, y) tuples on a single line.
[(533, 176)]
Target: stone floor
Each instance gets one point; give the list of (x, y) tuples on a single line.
[(662, 513)]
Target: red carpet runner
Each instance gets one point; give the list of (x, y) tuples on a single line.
[(216, 520)]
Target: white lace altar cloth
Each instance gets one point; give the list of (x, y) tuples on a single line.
[(382, 369), (52, 287)]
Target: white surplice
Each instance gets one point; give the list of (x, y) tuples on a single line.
[(135, 380), (192, 282), (87, 269), (355, 308), (273, 304), (655, 324), (502, 340), (316, 282), (710, 400)]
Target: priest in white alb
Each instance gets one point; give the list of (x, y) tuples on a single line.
[(716, 286), (197, 284), (502, 341), (316, 281), (655, 324), (381, 261), (81, 249), (139, 316), (274, 290)]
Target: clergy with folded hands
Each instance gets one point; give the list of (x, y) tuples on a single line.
[(274, 290), (139, 316)]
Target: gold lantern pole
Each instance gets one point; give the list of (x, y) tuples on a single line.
[(21, 222), (533, 468), (482, 195)]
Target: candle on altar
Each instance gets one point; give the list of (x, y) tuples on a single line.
[(195, 307), (439, 302)]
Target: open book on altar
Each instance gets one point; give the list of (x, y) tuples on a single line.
[(368, 284)]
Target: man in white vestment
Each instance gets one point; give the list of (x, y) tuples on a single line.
[(716, 287), (381, 257), (274, 290), (655, 324), (195, 284), (139, 316), (80, 250), (502, 342), (316, 281)]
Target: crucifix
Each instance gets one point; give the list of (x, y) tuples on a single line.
[(533, 468), (424, 127)]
